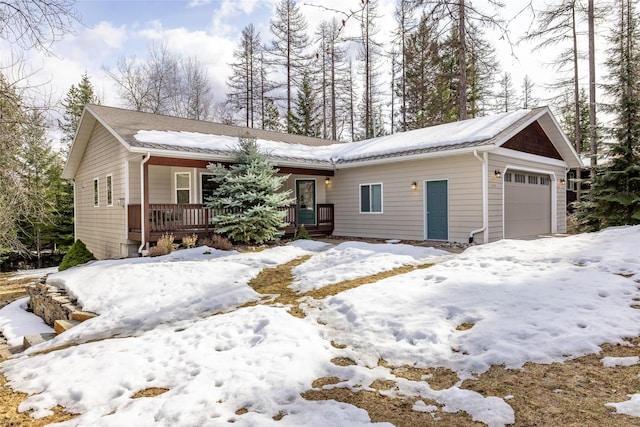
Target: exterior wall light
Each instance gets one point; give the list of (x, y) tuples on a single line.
[(414, 185), (562, 181), (497, 174), (327, 180)]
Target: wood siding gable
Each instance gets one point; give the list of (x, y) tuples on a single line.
[(533, 140)]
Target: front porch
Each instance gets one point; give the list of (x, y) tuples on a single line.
[(184, 219)]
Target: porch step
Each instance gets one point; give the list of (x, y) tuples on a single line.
[(61, 326), (34, 339)]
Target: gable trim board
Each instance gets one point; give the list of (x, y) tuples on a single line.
[(143, 162)]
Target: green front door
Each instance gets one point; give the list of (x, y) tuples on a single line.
[(436, 210), (306, 201)]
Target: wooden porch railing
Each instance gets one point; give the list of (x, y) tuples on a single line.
[(183, 219)]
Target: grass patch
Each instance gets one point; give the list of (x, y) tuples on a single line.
[(572, 393), (10, 417), (150, 392), (275, 284)]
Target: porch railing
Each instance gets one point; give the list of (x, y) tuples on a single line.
[(184, 218)]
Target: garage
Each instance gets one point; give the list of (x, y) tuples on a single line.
[(527, 204)]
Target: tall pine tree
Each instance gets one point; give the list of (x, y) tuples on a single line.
[(306, 119), (614, 196), (77, 97), (249, 199), (40, 168), (289, 48)]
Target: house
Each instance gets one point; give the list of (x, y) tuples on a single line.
[(137, 175)]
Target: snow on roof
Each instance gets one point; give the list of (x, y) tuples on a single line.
[(445, 136), (228, 144)]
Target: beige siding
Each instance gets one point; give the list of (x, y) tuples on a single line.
[(134, 181), (403, 208), (102, 228), (500, 162)]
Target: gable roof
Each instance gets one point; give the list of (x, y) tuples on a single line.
[(177, 137)]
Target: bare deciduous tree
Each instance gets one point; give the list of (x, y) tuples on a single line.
[(164, 83), (36, 24)]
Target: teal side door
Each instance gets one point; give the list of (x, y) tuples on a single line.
[(436, 210), (306, 201)]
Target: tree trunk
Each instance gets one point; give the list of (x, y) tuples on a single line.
[(462, 63), (592, 87), (576, 100)]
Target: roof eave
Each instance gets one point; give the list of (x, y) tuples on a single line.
[(230, 157), (404, 157)]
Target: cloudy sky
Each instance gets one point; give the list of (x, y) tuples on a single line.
[(210, 30)]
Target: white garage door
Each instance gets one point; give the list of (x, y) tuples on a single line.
[(527, 204)]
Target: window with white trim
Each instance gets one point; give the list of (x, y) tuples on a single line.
[(370, 198), (183, 187), (533, 179), (109, 190), (545, 180), (507, 177), (520, 177), (96, 192)]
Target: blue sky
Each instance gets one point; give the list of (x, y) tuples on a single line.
[(210, 30)]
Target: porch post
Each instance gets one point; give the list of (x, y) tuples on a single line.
[(145, 202)]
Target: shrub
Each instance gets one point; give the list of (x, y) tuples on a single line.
[(164, 246), (78, 254), (217, 241), (301, 233), (189, 241)]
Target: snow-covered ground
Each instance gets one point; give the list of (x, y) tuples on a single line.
[(180, 322)]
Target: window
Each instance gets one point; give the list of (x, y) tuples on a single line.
[(207, 187), (183, 187), (520, 178), (109, 190), (533, 179), (571, 179), (507, 177), (96, 193), (371, 198), (545, 180)]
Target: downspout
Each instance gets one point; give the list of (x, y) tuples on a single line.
[(485, 197), (75, 210), (145, 159)]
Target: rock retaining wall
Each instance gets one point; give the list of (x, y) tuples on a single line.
[(52, 303)]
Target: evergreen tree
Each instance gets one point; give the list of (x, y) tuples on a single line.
[(243, 85), (305, 120), (289, 47), (527, 100), (249, 199), (506, 96), (40, 169), (614, 196), (77, 97), (333, 65), (420, 69), (271, 116), (405, 23), (370, 53), (567, 120), (14, 200)]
